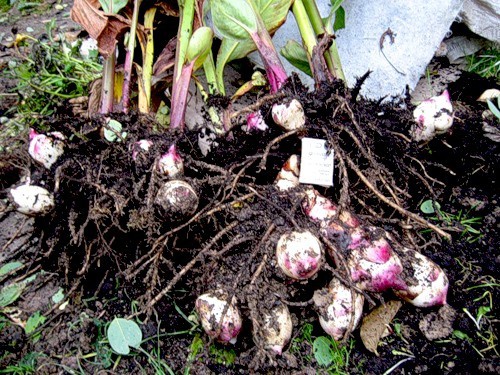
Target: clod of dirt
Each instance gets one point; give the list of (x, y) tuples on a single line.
[(438, 325)]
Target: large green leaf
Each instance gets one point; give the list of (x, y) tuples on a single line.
[(124, 334), (273, 14), (233, 19), (296, 55)]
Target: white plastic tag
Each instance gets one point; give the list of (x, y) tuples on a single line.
[(316, 165)]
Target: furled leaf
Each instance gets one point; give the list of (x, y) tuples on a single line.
[(199, 45), (124, 334), (495, 110), (233, 19), (9, 267), (273, 14), (296, 55), (375, 324), (113, 6)]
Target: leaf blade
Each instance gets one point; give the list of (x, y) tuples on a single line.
[(123, 334)]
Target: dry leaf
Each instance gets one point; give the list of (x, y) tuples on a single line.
[(375, 324), (166, 59), (103, 27)]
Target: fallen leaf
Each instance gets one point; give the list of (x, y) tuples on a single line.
[(375, 324)]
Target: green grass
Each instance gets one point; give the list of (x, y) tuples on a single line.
[(486, 63)]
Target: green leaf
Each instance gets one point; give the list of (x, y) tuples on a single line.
[(427, 207), (9, 294), (58, 296), (339, 19), (234, 19), (273, 14), (335, 5), (322, 349), (493, 109), (112, 130), (33, 322), (124, 334), (9, 267), (113, 6), (296, 55)]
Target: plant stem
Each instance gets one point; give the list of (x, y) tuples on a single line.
[(180, 84), (147, 65), (332, 58), (129, 57), (108, 84), (305, 27), (209, 68)]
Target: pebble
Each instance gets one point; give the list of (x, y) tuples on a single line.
[(29, 29)]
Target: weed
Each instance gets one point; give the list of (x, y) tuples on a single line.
[(304, 338), (27, 365), (53, 72), (332, 357), (485, 63), (222, 356), (462, 221), (329, 354), (195, 349)]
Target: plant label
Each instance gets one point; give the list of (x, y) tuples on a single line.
[(316, 166)]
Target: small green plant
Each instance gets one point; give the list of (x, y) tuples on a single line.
[(303, 338), (222, 356), (195, 349), (124, 335), (486, 63), (27, 365), (53, 72), (33, 322), (462, 221), (330, 355)]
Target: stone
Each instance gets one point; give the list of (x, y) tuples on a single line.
[(366, 44), (482, 17)]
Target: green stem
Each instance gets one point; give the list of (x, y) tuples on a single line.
[(305, 27), (186, 10), (147, 66), (332, 57), (209, 68)]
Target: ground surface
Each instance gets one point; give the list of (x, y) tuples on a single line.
[(114, 253)]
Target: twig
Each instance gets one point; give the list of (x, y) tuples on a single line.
[(394, 205), (262, 164), (191, 264)]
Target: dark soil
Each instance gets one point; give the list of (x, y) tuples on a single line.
[(116, 254)]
